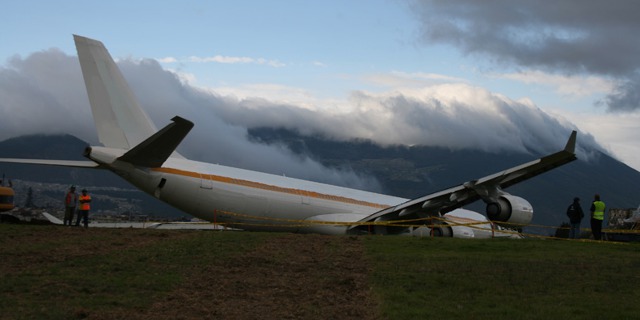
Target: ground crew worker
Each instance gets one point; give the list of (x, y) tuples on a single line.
[(575, 214), (83, 213), (597, 216), (70, 201)]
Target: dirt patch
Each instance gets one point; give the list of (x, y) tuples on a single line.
[(64, 243), (289, 277)]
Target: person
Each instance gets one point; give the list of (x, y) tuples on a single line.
[(70, 201), (575, 214), (597, 216), (83, 213)]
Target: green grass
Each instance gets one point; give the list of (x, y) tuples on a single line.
[(79, 273), (95, 271), (505, 279)]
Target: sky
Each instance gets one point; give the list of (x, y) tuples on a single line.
[(498, 76)]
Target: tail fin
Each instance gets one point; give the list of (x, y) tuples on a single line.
[(120, 121)]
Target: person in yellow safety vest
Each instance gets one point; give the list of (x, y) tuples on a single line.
[(597, 216), (83, 211)]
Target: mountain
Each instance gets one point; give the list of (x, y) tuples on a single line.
[(415, 171), (402, 171)]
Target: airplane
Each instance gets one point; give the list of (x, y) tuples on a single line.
[(254, 201)]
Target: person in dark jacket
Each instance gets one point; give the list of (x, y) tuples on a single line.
[(575, 214)]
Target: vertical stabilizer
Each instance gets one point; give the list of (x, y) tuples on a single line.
[(120, 121)]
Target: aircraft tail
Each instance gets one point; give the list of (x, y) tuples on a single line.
[(120, 121)]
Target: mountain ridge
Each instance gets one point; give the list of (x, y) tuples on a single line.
[(404, 171)]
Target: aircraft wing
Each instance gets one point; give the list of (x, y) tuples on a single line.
[(488, 188), (62, 163)]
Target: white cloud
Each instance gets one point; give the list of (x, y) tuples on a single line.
[(234, 60), (167, 60), (270, 92), (452, 115), (616, 132), (398, 79), (572, 86)]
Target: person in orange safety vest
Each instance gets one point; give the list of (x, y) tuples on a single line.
[(83, 211)]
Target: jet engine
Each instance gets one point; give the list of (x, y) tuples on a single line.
[(444, 230), (510, 209)]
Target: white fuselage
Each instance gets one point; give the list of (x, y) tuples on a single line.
[(252, 200)]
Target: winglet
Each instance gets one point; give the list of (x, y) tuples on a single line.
[(155, 150), (571, 143)]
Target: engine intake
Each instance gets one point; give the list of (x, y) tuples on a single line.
[(510, 209), (443, 230)]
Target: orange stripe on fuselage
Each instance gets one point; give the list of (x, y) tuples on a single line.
[(264, 186)]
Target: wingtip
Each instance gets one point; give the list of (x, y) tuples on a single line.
[(78, 37), (571, 143), (84, 40)]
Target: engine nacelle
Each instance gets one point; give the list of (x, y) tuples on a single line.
[(510, 209), (445, 230)]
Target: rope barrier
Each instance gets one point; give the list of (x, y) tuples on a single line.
[(408, 223)]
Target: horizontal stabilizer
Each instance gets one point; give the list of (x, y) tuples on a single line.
[(62, 163), (51, 218), (154, 151)]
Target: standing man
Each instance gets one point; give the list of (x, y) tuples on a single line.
[(597, 216), (70, 201), (575, 214), (83, 213)]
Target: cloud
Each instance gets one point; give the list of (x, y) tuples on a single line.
[(44, 93), (626, 95), (616, 132), (402, 79), (225, 60), (574, 86), (39, 94), (167, 60), (567, 37)]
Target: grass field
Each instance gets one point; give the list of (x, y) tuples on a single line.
[(53, 272)]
